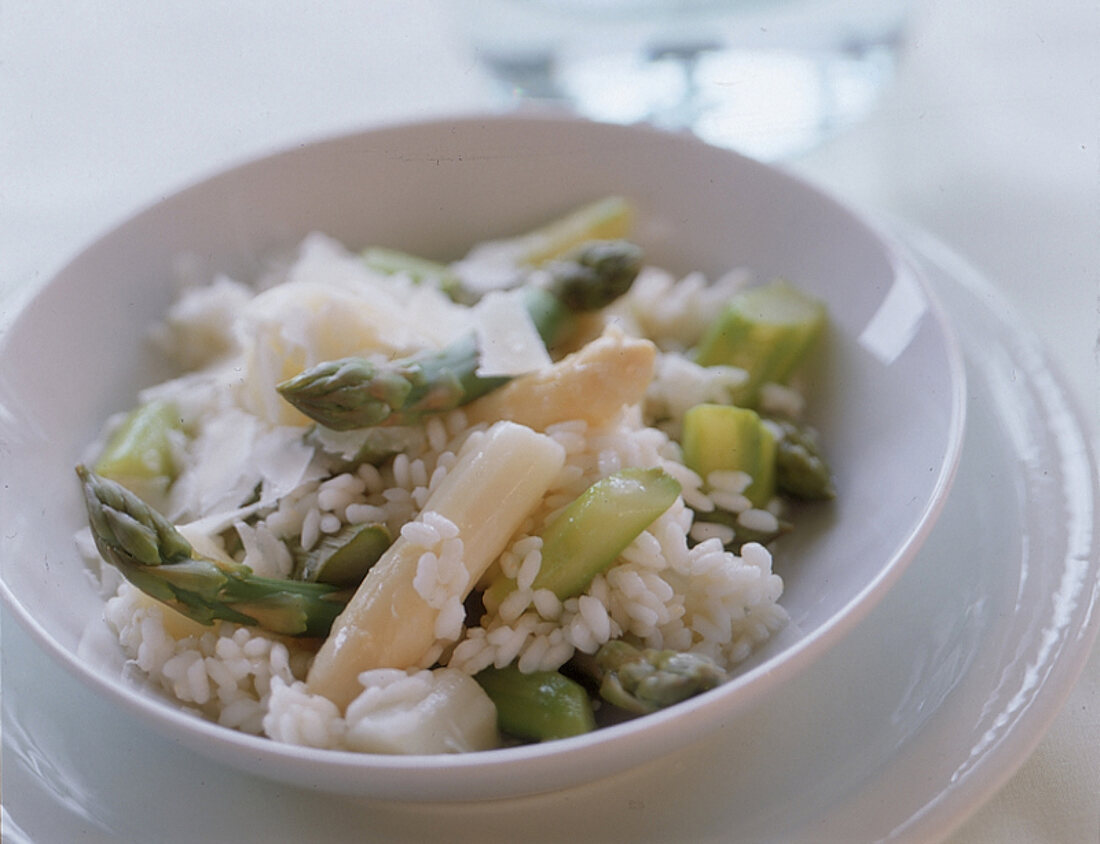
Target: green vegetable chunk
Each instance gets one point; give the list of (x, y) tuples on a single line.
[(767, 331), (720, 437), (540, 706), (148, 550), (139, 454), (343, 558), (645, 680), (591, 533)]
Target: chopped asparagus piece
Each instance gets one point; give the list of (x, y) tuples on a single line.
[(800, 467), (590, 534), (645, 680), (139, 454), (357, 393), (605, 219), (345, 557), (540, 706), (767, 331), (720, 437), (148, 550)]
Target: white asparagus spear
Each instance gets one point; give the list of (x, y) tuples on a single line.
[(491, 489), (593, 383)]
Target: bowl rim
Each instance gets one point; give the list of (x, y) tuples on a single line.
[(703, 712)]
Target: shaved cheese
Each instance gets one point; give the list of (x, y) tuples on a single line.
[(508, 342), (329, 307), (233, 453), (283, 462)]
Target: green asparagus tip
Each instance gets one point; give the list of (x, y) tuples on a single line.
[(156, 558), (643, 680), (596, 275)]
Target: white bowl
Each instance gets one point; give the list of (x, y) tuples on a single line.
[(889, 401)]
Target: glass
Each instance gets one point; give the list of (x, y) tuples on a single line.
[(770, 78)]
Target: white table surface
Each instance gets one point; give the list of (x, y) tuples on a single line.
[(990, 140)]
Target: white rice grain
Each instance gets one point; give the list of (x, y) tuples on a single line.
[(529, 569), (418, 473), (443, 527), (531, 659), (580, 636), (508, 645), (436, 431), (701, 531), (372, 478), (311, 529), (361, 514), (421, 534), (595, 616), (729, 480), (427, 576), (757, 555), (758, 520), (547, 604), (448, 624), (512, 607), (731, 502)]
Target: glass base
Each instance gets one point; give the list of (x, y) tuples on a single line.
[(771, 104)]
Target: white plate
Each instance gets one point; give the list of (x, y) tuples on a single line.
[(901, 731)]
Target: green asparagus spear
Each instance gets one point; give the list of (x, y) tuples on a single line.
[(148, 550), (590, 534), (357, 393), (645, 680), (800, 467), (539, 706), (354, 392)]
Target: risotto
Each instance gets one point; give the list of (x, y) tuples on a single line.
[(386, 508)]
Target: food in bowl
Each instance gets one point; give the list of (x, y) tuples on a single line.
[(396, 506)]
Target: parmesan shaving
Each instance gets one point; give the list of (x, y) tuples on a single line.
[(508, 342)]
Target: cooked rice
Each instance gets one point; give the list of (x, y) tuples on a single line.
[(675, 586)]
